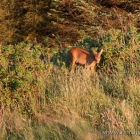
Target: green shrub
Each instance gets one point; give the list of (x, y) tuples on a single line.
[(20, 67)]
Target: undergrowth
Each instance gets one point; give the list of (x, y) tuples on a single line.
[(41, 99)]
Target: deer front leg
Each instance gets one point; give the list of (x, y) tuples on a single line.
[(93, 68), (72, 64)]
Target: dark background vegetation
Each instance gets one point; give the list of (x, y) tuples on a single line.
[(62, 23)]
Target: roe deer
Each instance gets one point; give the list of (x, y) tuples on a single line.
[(79, 55)]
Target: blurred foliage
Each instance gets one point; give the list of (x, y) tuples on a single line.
[(62, 22), (121, 50), (128, 5)]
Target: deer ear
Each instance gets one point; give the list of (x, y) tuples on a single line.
[(101, 51), (94, 52)]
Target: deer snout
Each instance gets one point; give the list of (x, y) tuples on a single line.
[(97, 60)]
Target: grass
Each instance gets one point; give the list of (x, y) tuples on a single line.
[(75, 108), (40, 98)]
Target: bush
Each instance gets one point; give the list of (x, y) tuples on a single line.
[(20, 81)]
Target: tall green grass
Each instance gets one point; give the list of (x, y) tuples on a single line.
[(40, 98)]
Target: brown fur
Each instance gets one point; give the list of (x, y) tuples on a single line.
[(79, 55)]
